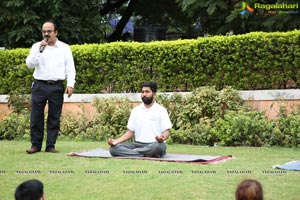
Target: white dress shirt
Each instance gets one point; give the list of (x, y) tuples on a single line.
[(54, 63)]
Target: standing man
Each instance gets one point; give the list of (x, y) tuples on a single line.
[(149, 124), (53, 62)]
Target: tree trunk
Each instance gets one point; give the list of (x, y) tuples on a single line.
[(117, 34)]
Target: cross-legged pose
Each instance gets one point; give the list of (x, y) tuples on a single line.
[(149, 124)]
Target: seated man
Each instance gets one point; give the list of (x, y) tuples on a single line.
[(149, 124)]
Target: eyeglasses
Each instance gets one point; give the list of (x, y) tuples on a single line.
[(47, 31)]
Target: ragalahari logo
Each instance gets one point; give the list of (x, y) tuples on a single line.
[(266, 8), (246, 9)]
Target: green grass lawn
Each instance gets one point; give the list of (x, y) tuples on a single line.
[(66, 177)]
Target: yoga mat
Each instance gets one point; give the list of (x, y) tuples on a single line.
[(201, 159), (293, 165)]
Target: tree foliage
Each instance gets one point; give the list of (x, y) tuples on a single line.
[(82, 21), (147, 12), (110, 7), (194, 18), (220, 17), (21, 21)]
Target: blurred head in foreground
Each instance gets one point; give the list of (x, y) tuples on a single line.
[(249, 190), (30, 190)]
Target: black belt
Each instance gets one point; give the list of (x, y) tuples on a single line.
[(50, 82)]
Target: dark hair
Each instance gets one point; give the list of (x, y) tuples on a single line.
[(152, 85), (29, 190), (52, 22), (249, 190)]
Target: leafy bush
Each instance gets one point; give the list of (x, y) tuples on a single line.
[(173, 104), (203, 102), (204, 117), (110, 120), (74, 125), (286, 130), (15, 126), (196, 134), (99, 132), (193, 116), (18, 100), (242, 128), (112, 114)]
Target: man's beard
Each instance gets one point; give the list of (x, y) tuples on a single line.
[(147, 100)]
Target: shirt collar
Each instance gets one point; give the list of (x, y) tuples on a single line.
[(153, 105), (57, 43)]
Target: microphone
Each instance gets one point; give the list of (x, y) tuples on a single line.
[(46, 38)]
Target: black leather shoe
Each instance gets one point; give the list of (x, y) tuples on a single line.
[(51, 150), (33, 150)]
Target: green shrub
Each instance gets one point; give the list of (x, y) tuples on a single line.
[(287, 128), (193, 116), (195, 134), (292, 132), (205, 117), (112, 114), (242, 128), (173, 104), (15, 126), (74, 125), (99, 132), (110, 120), (18, 100), (203, 102)]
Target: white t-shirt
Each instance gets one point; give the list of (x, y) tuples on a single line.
[(147, 123)]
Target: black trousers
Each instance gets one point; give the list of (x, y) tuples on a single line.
[(43, 92)]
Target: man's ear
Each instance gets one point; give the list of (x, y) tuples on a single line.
[(43, 197)]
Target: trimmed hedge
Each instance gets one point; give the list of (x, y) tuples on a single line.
[(255, 60)]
